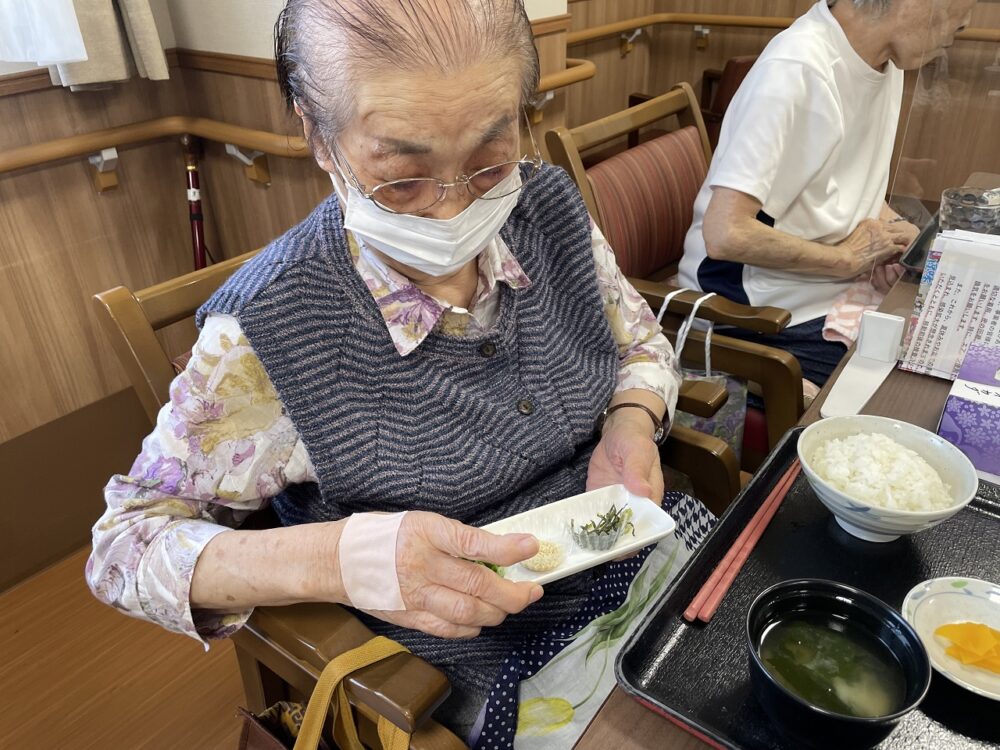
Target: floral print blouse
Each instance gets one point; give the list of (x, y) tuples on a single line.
[(223, 445)]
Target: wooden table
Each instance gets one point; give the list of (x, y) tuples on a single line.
[(919, 399)]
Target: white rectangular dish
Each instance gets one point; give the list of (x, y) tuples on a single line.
[(552, 523)]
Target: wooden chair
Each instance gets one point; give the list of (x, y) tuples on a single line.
[(282, 650), (643, 200)]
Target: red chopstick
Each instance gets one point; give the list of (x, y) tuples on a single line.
[(710, 595)]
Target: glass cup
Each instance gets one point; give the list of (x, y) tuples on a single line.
[(973, 209)]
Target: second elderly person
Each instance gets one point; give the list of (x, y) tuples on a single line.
[(793, 209)]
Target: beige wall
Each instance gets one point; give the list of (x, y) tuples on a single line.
[(245, 27)]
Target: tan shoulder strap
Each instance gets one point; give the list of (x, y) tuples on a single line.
[(331, 681)]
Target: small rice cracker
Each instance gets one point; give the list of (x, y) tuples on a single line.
[(550, 556)]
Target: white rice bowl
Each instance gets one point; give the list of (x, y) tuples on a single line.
[(877, 489)]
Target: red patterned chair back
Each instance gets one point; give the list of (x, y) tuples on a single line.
[(645, 197)]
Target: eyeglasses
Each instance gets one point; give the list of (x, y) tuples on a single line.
[(416, 194)]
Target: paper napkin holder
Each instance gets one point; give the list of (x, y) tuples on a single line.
[(875, 355)]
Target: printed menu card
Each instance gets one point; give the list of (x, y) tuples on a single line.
[(958, 304)]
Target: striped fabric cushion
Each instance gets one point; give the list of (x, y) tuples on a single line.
[(180, 362), (646, 199)]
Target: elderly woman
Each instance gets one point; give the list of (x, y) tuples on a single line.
[(793, 210), (440, 336)]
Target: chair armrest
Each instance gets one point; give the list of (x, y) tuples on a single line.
[(708, 462), (701, 397), (717, 309), (297, 641)]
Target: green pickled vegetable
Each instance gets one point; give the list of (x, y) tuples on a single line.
[(608, 523)]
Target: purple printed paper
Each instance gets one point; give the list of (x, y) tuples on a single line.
[(971, 419)]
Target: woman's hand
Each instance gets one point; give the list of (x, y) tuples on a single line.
[(446, 595), (627, 455)]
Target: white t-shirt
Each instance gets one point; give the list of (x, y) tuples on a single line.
[(809, 134)]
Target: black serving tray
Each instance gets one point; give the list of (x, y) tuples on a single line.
[(698, 675)]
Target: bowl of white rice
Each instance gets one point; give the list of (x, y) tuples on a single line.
[(882, 478)]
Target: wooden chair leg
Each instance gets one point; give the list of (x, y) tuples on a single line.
[(261, 687)]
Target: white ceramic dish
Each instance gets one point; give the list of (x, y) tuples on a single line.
[(551, 522), (870, 522), (941, 601)]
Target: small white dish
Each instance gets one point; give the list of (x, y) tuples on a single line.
[(552, 522), (871, 522), (941, 601)]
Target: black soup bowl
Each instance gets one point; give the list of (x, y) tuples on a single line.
[(854, 616)]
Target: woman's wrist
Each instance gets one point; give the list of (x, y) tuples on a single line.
[(636, 418), (239, 570), (633, 417), (323, 581)]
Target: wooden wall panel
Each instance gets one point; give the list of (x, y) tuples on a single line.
[(551, 48), (617, 76), (243, 214), (676, 56), (61, 242)]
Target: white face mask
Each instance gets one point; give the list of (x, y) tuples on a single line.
[(436, 247)]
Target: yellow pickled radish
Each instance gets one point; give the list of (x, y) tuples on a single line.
[(972, 643)]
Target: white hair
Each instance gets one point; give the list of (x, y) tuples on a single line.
[(321, 45), (877, 8)]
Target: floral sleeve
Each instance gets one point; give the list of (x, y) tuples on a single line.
[(647, 358), (221, 447)]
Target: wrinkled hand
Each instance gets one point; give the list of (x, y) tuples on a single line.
[(627, 455), (902, 233), (871, 243), (886, 275), (446, 595)]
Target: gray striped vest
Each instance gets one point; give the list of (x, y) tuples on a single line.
[(471, 431)]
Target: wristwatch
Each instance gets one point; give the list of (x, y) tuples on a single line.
[(659, 431)]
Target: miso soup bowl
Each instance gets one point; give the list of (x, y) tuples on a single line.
[(803, 722), (871, 522)]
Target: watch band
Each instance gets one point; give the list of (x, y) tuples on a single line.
[(659, 431)]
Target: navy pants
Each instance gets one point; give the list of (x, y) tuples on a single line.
[(817, 356)]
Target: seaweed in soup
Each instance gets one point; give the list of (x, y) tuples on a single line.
[(834, 666)]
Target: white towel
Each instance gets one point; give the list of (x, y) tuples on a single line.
[(121, 40), (44, 32)]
